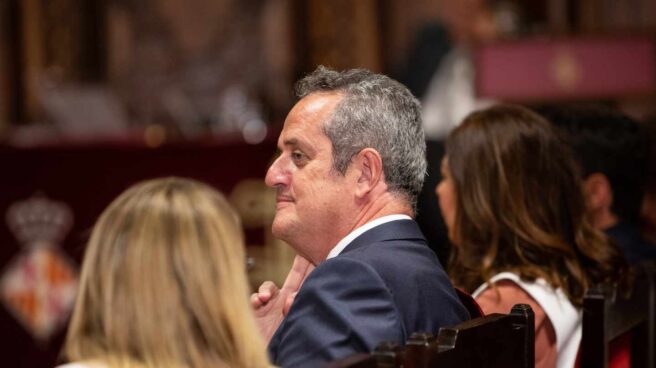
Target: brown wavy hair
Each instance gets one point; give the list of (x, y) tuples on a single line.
[(520, 206)]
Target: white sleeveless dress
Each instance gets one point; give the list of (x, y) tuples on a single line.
[(564, 316)]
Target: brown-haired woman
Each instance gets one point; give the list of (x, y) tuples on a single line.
[(512, 201), (163, 284)]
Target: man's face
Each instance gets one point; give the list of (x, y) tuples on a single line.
[(312, 199)]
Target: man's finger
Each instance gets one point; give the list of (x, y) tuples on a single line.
[(299, 271), (256, 303), (288, 303), (267, 291)]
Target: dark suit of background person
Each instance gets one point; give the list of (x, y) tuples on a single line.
[(612, 150), (351, 165)]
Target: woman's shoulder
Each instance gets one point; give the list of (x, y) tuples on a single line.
[(510, 288), (503, 296)]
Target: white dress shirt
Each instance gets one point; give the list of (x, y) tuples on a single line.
[(337, 249)]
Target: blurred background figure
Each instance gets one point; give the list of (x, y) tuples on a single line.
[(163, 284), (612, 151), (512, 200), (440, 69)]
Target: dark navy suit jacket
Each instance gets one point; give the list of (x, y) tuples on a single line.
[(384, 286), (628, 237)]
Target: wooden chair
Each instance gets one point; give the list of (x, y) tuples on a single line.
[(495, 340), (385, 355), (611, 314)]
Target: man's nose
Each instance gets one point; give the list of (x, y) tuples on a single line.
[(276, 175)]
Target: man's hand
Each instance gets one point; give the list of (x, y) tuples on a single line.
[(271, 304)]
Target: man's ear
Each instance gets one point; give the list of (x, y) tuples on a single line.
[(598, 192), (369, 167)]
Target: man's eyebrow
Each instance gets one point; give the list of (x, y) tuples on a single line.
[(290, 142)]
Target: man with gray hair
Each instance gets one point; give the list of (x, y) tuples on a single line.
[(351, 164)]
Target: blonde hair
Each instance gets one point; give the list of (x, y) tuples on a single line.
[(163, 283)]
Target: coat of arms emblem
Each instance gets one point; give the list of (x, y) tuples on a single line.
[(38, 286)]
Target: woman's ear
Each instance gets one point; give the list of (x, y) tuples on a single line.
[(369, 167)]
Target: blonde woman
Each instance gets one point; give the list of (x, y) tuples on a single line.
[(163, 284)]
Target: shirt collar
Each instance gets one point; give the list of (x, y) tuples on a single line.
[(337, 249)]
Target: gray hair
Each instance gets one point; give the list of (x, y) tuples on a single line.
[(376, 112)]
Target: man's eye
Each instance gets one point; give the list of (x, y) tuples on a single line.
[(298, 157)]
